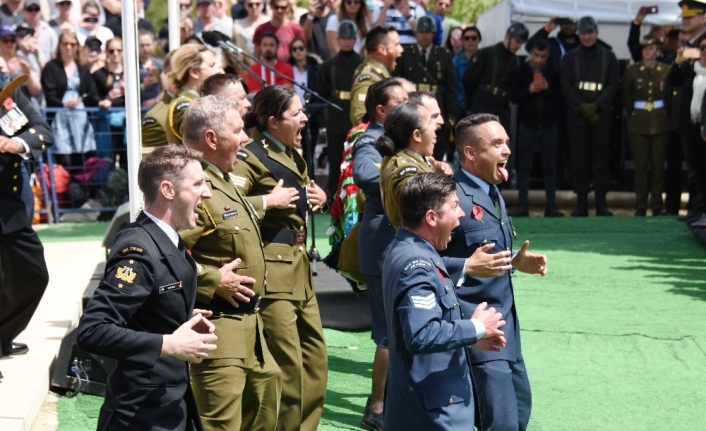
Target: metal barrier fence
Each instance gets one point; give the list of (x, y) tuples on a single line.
[(85, 172)]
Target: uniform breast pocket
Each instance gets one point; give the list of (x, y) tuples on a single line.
[(280, 268), (446, 393), (449, 304), (238, 234), (478, 237)]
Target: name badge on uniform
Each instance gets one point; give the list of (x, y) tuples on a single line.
[(170, 287), (230, 214)]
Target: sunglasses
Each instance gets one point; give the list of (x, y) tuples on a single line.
[(275, 7), (473, 38), (32, 9), (113, 51), (351, 2), (298, 48), (65, 3), (252, 4), (72, 44), (184, 6), (8, 40)]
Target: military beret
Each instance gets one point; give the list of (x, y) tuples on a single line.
[(426, 24), (347, 30)]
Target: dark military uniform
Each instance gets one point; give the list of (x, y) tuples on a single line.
[(434, 75), (645, 94), (487, 82), (24, 275), (335, 80), (148, 290), (590, 76), (395, 170), (154, 124), (367, 74), (289, 307), (175, 115), (240, 376)]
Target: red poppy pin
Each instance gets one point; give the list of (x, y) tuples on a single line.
[(9, 103), (441, 274), (477, 213)]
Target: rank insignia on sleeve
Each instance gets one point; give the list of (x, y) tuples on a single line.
[(126, 274), (132, 249), (427, 302), (417, 263), (239, 180)]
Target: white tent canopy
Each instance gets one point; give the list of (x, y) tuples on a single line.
[(613, 17)]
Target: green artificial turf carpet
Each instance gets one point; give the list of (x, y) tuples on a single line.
[(614, 337)]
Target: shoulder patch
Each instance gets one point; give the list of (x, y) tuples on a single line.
[(182, 105), (239, 180), (242, 155), (364, 140), (417, 263), (407, 170), (147, 121), (132, 249), (364, 77), (427, 302)]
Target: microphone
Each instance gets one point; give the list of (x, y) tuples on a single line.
[(218, 39)]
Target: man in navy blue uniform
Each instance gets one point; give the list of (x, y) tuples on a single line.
[(141, 313), (504, 395), (429, 383)]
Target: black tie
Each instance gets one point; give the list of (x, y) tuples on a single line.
[(424, 56), (226, 176), (493, 193)]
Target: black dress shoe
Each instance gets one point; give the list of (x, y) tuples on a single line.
[(15, 349), (553, 212), (520, 212), (689, 217), (657, 212), (640, 212)]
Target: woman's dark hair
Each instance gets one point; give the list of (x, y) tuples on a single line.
[(472, 28), (360, 17), (290, 60), (271, 101), (400, 124), (447, 44), (379, 94)]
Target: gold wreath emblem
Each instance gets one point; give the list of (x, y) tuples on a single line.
[(126, 274)]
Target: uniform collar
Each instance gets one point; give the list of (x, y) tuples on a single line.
[(171, 233), (481, 183), (275, 141)]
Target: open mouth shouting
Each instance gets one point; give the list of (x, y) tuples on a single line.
[(501, 170)]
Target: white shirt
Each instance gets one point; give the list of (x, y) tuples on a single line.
[(300, 78), (170, 231)]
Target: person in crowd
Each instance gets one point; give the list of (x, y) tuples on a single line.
[(221, 13), (353, 10), (665, 55), (442, 9), (334, 81), (487, 81), (229, 86), (430, 384), (289, 307), (142, 312), (39, 39), (454, 42), (645, 93), (430, 67), (20, 65), (154, 123), (470, 40), (268, 48), (150, 69), (93, 51), (564, 42), (401, 15), (486, 234), (382, 44), (24, 276), (64, 20), (111, 8), (438, 22), (536, 89), (11, 13), (238, 386), (115, 23), (305, 67), (376, 235), (244, 28), (191, 65), (206, 19), (314, 25), (690, 74), (110, 84), (281, 26), (89, 25), (67, 84), (589, 81)]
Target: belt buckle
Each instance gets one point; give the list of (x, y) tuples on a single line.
[(495, 91), (649, 106), (344, 95), (300, 237), (423, 87), (256, 309)]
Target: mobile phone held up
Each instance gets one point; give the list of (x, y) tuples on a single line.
[(537, 77), (649, 10)]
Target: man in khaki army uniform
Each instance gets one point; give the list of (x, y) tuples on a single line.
[(645, 94), (239, 385), (154, 124), (383, 46), (431, 68)]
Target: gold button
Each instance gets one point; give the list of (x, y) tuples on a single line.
[(301, 248), (32, 131), (502, 224), (41, 138), (447, 289), (14, 189), (485, 241), (451, 400), (237, 229), (14, 177), (17, 165), (279, 257), (44, 147)]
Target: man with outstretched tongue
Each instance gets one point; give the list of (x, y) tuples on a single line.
[(485, 234)]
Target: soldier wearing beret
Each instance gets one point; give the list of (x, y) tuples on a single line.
[(383, 46), (645, 94), (589, 80), (431, 68), (24, 135), (335, 80), (241, 375)]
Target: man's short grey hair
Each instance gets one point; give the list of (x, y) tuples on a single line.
[(207, 113)]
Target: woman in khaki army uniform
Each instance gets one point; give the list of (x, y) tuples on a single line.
[(289, 308), (409, 139), (191, 65), (645, 95)]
